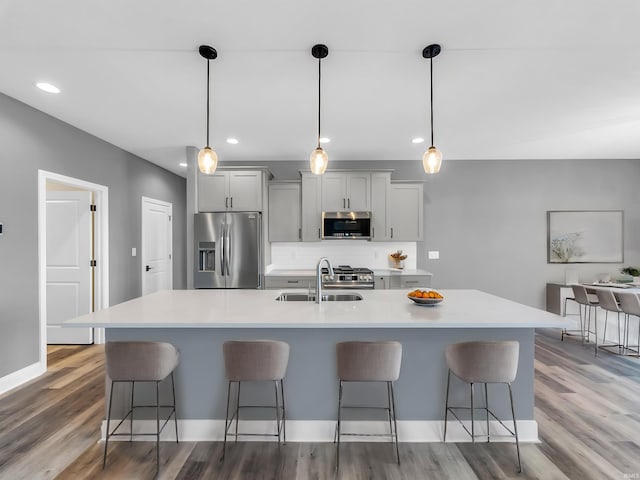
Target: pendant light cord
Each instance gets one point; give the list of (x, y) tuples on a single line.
[(319, 96), (208, 88), (431, 87)]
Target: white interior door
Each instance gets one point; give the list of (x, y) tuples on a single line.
[(69, 276), (156, 255)]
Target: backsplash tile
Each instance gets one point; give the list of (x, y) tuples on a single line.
[(341, 252)]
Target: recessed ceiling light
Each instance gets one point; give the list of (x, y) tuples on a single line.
[(324, 140), (417, 140), (47, 87), (232, 141), (183, 164)]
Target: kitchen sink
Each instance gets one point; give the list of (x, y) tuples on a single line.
[(326, 297)]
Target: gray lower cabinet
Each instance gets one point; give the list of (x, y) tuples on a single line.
[(402, 281), (271, 282), (381, 282), (284, 212), (410, 281)]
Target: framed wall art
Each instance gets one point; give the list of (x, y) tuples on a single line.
[(585, 236)]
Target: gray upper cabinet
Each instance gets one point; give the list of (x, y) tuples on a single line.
[(285, 212), (405, 212), (233, 191), (311, 207), (346, 191), (380, 184)]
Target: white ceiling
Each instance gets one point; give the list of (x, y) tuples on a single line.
[(543, 79)]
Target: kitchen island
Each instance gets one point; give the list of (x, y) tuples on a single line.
[(198, 322)]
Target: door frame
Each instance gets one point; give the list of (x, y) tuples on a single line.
[(101, 246), (143, 238)]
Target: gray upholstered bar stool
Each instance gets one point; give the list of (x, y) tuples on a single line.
[(133, 362), (609, 303), (483, 362), (369, 362), (630, 305), (255, 361), (588, 303)]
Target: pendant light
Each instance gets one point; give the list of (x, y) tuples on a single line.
[(319, 158), (432, 158), (207, 157)]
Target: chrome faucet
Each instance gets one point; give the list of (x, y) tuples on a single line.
[(319, 277)]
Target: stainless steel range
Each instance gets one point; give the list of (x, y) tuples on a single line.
[(345, 276)]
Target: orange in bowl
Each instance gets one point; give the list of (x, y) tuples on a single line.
[(425, 297)]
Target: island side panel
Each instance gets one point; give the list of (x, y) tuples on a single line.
[(311, 386)]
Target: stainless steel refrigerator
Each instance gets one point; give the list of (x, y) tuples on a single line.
[(228, 250)]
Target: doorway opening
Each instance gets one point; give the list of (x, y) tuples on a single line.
[(59, 269)]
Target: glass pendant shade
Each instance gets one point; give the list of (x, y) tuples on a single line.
[(432, 160), (318, 161), (207, 160)]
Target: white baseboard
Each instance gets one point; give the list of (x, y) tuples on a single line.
[(318, 431), (19, 377)]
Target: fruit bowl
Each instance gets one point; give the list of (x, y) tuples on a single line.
[(427, 297)]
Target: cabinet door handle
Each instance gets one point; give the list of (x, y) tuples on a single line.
[(231, 202), (293, 281), (348, 203), (373, 232), (299, 234), (318, 233), (391, 232), (226, 202), (343, 203)]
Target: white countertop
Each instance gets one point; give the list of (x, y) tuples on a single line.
[(290, 272), (259, 309)]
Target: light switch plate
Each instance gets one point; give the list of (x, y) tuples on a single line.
[(434, 255), (134, 252)]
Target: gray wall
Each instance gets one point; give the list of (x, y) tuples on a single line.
[(31, 140), (488, 218)]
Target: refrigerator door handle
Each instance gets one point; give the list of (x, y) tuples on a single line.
[(222, 259), (227, 244)]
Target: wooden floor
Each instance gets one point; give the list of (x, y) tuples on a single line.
[(588, 412)]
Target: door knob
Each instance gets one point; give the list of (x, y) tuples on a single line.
[(147, 268)]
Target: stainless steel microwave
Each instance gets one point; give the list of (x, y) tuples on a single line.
[(339, 225)]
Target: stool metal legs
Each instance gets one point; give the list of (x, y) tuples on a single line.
[(515, 427), (488, 412), (279, 408), (391, 416), (564, 331), (620, 346), (130, 413)]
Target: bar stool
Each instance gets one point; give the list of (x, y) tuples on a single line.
[(589, 302), (255, 361), (630, 305), (609, 303), (369, 362), (131, 362), (483, 362)]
